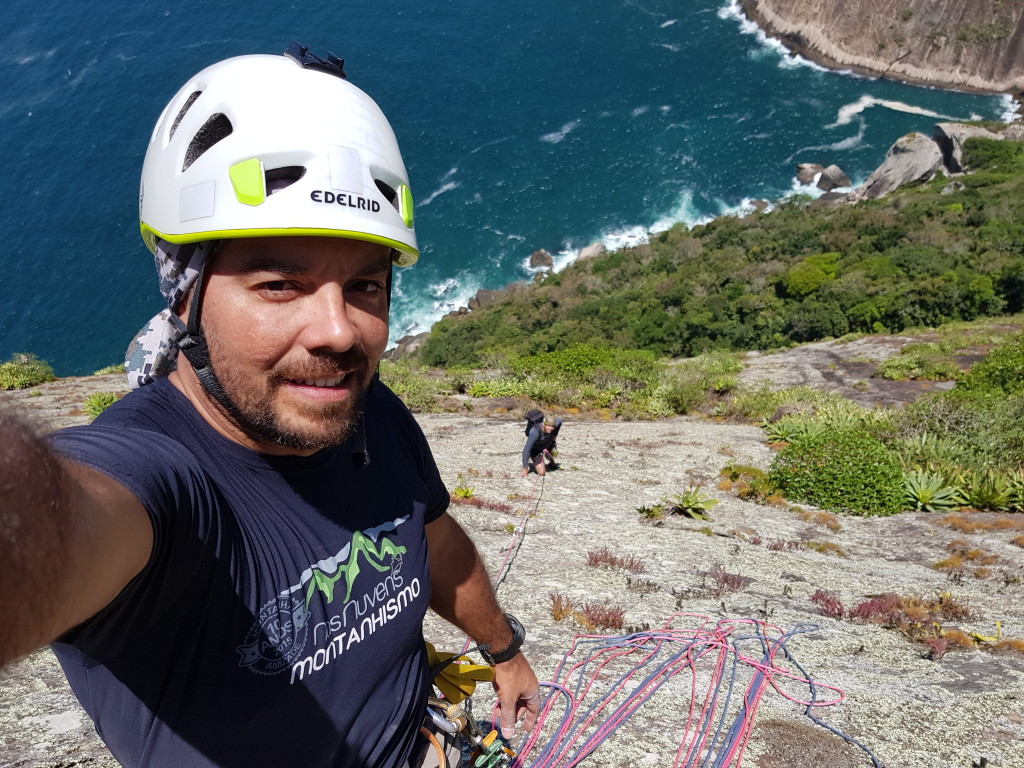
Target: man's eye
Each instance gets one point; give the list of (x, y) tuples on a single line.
[(276, 285), (367, 286)]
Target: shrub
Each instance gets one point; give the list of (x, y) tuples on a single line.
[(690, 383), (1002, 369), (841, 470), (918, 365), (417, 390), (24, 370)]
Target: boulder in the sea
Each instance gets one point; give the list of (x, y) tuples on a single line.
[(914, 157), (806, 173), (541, 260), (832, 177)]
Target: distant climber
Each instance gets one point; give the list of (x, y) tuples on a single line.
[(541, 436)]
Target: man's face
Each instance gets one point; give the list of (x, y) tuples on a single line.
[(295, 328)]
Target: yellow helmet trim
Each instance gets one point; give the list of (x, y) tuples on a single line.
[(404, 256)]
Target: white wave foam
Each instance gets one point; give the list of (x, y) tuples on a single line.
[(446, 187), (29, 59), (668, 23), (848, 112), (506, 235), (1009, 109), (557, 136), (640, 110), (768, 45), (424, 308)]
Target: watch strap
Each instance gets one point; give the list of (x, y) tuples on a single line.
[(518, 636)]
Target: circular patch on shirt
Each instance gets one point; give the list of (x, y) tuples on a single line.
[(277, 637)]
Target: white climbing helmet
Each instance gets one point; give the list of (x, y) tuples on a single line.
[(261, 145)]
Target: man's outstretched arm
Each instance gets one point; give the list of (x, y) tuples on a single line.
[(70, 539), (462, 594)]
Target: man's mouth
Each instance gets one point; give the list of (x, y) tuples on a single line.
[(331, 381)]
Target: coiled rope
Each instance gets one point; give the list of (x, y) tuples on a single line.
[(601, 682)]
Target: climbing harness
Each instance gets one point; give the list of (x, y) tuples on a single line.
[(455, 676)]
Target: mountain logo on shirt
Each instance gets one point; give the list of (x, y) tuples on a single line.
[(278, 635), (361, 548)]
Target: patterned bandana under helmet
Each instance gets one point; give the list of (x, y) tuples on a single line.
[(153, 352)]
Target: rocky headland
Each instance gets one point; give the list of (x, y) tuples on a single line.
[(971, 45)]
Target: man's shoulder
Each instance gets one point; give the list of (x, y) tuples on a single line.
[(152, 419)]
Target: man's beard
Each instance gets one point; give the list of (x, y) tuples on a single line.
[(254, 412)]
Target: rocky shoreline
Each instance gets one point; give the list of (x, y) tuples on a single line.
[(967, 45)]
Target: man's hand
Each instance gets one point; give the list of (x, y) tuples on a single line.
[(526, 471), (462, 594), (518, 694)]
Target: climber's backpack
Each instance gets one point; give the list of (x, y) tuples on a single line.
[(533, 418)]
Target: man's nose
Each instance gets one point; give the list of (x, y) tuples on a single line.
[(330, 323)]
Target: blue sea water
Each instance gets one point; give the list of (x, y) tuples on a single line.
[(525, 126)]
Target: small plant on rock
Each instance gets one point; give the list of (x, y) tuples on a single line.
[(828, 603), (561, 606), (690, 503), (594, 616), (98, 402), (462, 490), (927, 491)]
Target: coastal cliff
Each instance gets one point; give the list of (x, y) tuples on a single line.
[(972, 45)]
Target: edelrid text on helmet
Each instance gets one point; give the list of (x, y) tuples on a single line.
[(257, 146)]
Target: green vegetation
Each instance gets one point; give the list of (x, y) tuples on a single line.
[(922, 256), (624, 383), (845, 470), (961, 448), (691, 503), (925, 360), (1002, 370), (98, 402), (23, 371)]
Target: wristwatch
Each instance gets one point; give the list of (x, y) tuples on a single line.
[(518, 636)]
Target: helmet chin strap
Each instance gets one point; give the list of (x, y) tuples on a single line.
[(192, 344)]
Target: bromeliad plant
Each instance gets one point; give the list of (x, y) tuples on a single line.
[(927, 491), (691, 503), (992, 490), (97, 402)]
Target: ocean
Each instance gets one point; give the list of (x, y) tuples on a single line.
[(530, 126)]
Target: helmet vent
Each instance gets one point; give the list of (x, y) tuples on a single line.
[(217, 127), (388, 191), (279, 178), (181, 113)]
